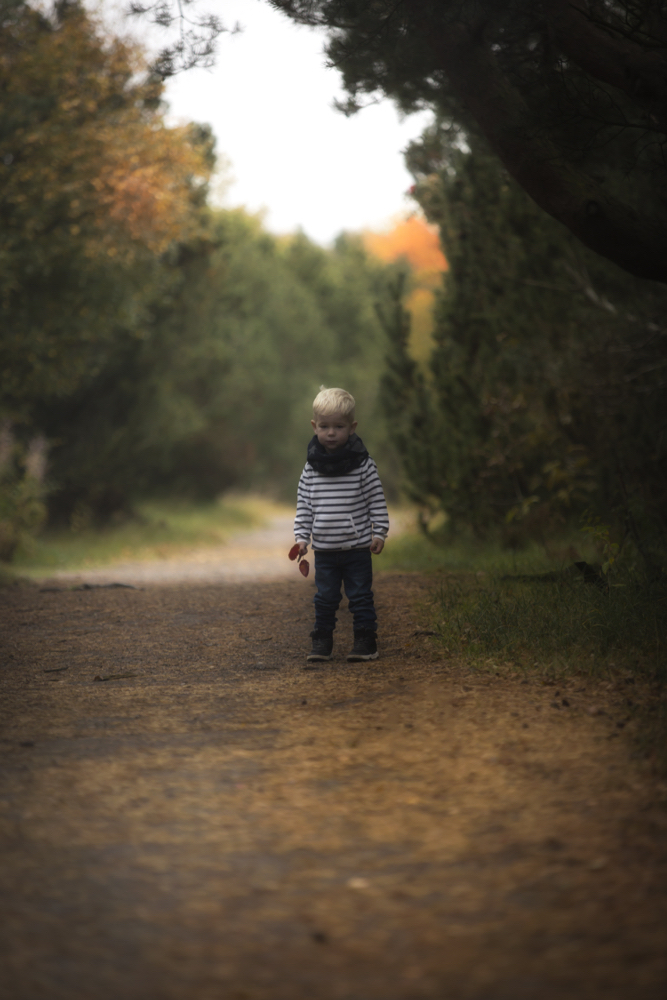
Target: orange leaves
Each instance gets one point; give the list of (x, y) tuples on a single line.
[(150, 198), (417, 242), (94, 190), (91, 159), (134, 199), (414, 239)]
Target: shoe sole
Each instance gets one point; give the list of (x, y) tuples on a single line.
[(318, 659), (362, 659)]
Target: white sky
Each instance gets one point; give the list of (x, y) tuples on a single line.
[(269, 100)]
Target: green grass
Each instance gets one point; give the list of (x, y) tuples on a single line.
[(411, 550), (565, 623), (158, 529), (484, 604), (480, 610)]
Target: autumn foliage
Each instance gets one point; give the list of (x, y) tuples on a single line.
[(94, 188), (415, 241), (89, 157)]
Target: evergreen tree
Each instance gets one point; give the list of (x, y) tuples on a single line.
[(569, 96), (546, 388)]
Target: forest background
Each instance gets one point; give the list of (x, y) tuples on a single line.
[(153, 346)]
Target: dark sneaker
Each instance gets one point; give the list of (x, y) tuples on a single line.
[(322, 645), (365, 646)]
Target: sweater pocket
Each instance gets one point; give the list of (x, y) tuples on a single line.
[(334, 529)]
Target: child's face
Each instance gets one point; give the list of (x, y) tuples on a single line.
[(333, 431)]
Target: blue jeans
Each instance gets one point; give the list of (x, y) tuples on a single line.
[(353, 568)]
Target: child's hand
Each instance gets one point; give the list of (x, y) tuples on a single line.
[(298, 551), (377, 545)]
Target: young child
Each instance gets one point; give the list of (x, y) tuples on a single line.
[(341, 505)]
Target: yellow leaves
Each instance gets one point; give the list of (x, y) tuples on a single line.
[(555, 474), (521, 510), (148, 194), (89, 160), (94, 188), (416, 241), (600, 534)]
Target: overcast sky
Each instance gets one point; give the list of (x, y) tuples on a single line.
[(269, 100)]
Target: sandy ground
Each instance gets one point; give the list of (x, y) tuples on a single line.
[(187, 813)]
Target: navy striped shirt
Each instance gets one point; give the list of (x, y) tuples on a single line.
[(341, 512)]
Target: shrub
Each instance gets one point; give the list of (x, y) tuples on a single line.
[(22, 491)]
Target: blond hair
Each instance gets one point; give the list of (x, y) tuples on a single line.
[(333, 401)]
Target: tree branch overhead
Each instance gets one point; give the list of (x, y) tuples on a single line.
[(570, 94)]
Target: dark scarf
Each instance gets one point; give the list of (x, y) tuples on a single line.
[(340, 462)]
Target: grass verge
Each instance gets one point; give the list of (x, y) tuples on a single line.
[(554, 630), (411, 550), (563, 623), (159, 530), (532, 613)]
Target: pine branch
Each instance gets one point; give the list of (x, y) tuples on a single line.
[(636, 242)]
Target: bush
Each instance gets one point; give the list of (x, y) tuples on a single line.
[(22, 491)]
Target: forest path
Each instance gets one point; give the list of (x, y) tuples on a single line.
[(189, 814), (260, 554)]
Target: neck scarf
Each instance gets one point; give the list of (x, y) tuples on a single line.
[(339, 462)]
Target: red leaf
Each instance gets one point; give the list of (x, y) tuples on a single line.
[(304, 567), (294, 551)]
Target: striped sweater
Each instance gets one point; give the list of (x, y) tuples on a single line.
[(341, 512)]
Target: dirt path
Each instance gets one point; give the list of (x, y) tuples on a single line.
[(253, 555), (188, 814)]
